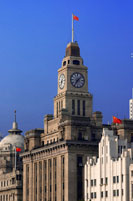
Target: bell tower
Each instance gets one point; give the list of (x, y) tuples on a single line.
[(73, 92)]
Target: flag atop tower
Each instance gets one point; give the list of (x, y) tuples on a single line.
[(74, 17)]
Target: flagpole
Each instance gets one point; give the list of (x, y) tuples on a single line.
[(72, 29), (15, 157)]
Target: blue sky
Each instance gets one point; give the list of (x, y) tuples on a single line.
[(33, 38)]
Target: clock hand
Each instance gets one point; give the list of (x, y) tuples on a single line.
[(77, 80)]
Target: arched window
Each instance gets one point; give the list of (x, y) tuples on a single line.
[(64, 63)]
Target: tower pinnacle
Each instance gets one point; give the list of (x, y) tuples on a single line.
[(15, 126), (15, 115)]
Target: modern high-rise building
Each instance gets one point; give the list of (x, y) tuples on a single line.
[(110, 176), (131, 107), (54, 158)]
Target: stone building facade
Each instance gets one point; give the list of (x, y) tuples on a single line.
[(54, 158), (11, 174)]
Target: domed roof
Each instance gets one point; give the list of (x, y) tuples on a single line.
[(14, 139)]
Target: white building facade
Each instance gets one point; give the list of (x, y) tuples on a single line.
[(107, 178), (131, 109)]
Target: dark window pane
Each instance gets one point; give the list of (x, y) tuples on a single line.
[(78, 108), (76, 62), (73, 107)]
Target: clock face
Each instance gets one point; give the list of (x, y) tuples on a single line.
[(77, 80), (62, 81)]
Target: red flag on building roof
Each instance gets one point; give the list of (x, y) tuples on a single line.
[(18, 149), (116, 120), (75, 18)]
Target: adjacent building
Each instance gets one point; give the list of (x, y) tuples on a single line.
[(131, 107), (110, 177), (11, 165), (54, 157)]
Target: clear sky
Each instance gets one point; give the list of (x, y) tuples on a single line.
[(33, 38)]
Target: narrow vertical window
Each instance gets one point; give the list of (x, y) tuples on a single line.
[(79, 177), (49, 179), (35, 181), (59, 105), (45, 180), (83, 108), (27, 182), (63, 176), (78, 107), (73, 107), (40, 179), (57, 109)]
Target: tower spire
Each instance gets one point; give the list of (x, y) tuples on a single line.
[(15, 115)]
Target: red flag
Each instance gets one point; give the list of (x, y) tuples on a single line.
[(18, 149), (75, 18), (116, 120)]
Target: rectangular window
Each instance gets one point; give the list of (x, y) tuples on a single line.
[(122, 177), (122, 192), (106, 193), (78, 107), (79, 177), (117, 192), (94, 182), (117, 179), (101, 181), (73, 107), (114, 181), (91, 195), (91, 182), (114, 193), (83, 108), (102, 194), (95, 195), (106, 180), (132, 173), (27, 182)]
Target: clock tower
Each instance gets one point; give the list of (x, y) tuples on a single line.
[(73, 92), (54, 158)]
